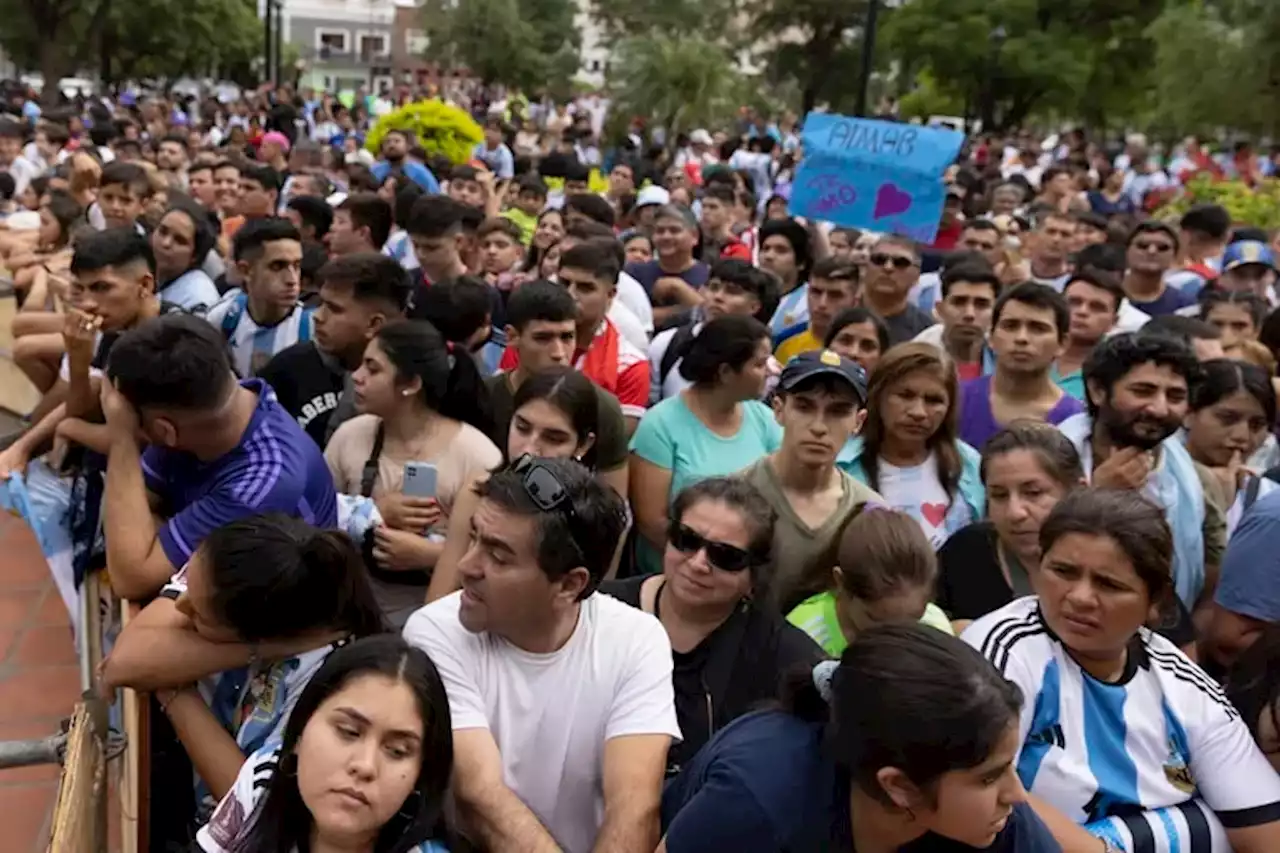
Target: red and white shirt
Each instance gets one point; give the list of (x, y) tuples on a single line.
[(612, 362)]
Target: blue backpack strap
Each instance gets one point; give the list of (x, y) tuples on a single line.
[(231, 319), (304, 325)]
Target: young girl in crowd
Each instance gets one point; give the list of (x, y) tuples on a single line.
[(1238, 315), (33, 273), (908, 450), (181, 241), (287, 591), (548, 232), (364, 763), (908, 743), (716, 426), (858, 334), (555, 415), (1232, 411), (420, 403), (637, 246), (885, 574)]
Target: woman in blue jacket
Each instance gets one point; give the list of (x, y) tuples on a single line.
[(909, 451)]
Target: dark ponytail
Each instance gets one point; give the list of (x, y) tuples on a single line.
[(451, 381), (274, 577), (906, 696)]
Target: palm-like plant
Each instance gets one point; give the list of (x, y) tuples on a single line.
[(682, 82)]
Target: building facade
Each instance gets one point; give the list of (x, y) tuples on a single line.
[(341, 44)]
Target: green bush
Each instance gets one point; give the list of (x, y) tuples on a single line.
[(1259, 207), (438, 127)]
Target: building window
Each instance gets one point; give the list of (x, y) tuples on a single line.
[(416, 42), (373, 44), (330, 42)]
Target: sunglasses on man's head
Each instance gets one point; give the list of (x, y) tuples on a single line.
[(546, 491), (688, 541), (899, 262)]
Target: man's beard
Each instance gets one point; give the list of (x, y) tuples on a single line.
[(1122, 432)]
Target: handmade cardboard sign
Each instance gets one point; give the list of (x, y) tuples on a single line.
[(877, 175)]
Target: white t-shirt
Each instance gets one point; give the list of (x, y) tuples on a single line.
[(919, 493), (661, 387), (631, 294), (627, 325), (551, 714)]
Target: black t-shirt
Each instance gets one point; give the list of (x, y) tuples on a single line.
[(307, 384), (905, 326), (648, 273), (611, 428), (418, 285), (971, 583), (736, 668)]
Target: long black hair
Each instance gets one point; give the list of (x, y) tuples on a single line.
[(281, 822), (203, 238), (273, 576), (451, 382), (570, 393), (910, 697)]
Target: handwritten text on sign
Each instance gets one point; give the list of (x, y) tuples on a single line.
[(877, 175)]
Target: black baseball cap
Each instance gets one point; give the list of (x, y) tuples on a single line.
[(824, 363)]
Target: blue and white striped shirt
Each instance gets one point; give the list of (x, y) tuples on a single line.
[(1157, 761), (252, 346)]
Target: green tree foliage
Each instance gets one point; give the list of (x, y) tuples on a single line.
[(814, 43), (716, 20), (134, 39), (1012, 58), (532, 44), (1215, 66), (681, 82)]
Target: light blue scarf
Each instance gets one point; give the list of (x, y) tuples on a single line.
[(970, 502), (1173, 485)]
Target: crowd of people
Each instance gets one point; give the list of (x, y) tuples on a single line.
[(466, 508)]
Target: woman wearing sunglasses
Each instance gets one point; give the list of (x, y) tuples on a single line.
[(730, 649)]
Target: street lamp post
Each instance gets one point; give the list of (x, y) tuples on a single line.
[(268, 43), (277, 68), (988, 107), (868, 56)]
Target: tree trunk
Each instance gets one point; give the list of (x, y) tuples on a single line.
[(54, 65)]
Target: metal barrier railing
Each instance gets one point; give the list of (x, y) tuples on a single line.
[(88, 748)]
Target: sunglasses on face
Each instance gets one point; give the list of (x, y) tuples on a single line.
[(899, 262), (727, 558), (1145, 246)]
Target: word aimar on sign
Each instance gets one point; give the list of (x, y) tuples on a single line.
[(877, 175)]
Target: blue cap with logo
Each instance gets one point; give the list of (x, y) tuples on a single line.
[(1244, 252), (824, 362)]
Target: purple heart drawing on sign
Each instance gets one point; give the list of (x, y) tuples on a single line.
[(890, 200)]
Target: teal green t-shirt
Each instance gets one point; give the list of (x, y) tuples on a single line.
[(670, 436), (1071, 384)]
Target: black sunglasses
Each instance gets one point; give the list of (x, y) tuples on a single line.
[(726, 557), (546, 491), (899, 262)]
